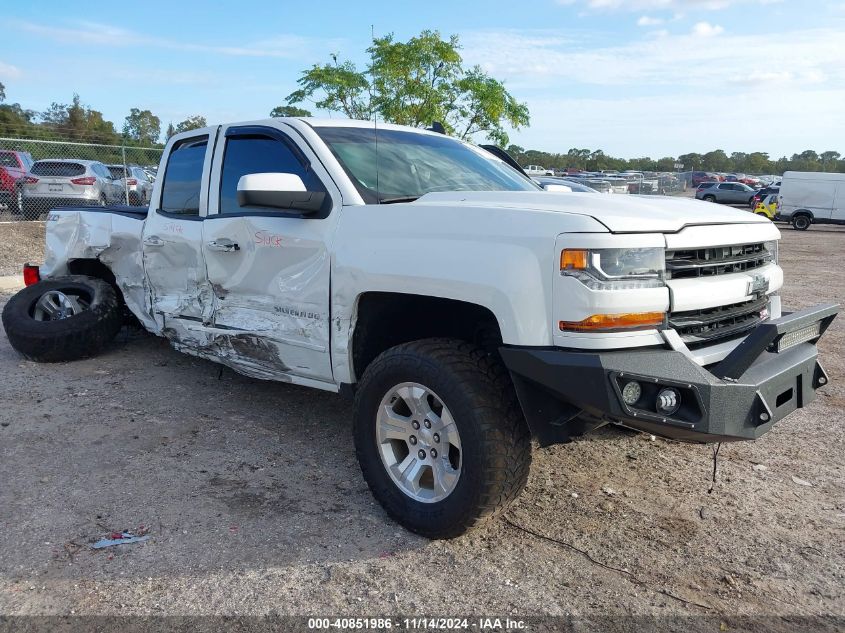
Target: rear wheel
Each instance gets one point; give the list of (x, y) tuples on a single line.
[(801, 222), (440, 436), (709, 198), (61, 319)]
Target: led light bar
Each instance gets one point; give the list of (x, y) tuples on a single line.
[(791, 339)]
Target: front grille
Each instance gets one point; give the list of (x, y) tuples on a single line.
[(704, 327), (716, 260)]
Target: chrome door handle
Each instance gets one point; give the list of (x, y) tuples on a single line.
[(153, 240), (223, 245)]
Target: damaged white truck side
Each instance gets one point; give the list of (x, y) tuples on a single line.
[(466, 308)]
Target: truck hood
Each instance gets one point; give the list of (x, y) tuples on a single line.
[(619, 213)]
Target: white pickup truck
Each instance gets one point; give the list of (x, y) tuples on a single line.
[(466, 308)]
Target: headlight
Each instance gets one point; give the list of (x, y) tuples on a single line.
[(772, 248), (615, 268)]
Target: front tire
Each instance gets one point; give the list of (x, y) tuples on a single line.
[(61, 319), (440, 437), (801, 222)]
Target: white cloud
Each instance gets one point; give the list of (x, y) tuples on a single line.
[(705, 29), (7, 71), (647, 20), (285, 46), (542, 61), (649, 95)]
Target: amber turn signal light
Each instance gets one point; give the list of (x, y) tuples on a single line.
[(573, 259), (632, 321)]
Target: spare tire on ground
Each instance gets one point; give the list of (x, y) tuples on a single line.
[(64, 318)]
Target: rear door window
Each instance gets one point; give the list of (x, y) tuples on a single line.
[(57, 169), (180, 191)]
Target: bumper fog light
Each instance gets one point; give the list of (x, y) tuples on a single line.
[(631, 392), (668, 401)]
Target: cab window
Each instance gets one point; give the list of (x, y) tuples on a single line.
[(180, 191), (256, 154)]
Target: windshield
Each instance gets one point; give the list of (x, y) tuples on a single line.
[(409, 164)]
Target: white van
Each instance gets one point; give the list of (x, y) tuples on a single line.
[(811, 197)]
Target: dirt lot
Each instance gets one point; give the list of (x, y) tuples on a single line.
[(255, 504), (20, 243)]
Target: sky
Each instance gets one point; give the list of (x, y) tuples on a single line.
[(631, 77)]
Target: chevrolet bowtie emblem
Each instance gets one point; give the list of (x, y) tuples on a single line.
[(758, 284)]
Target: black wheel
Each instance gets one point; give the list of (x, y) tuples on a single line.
[(61, 319), (440, 437), (709, 198), (801, 222)]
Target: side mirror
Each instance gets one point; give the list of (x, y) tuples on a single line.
[(558, 188), (278, 190)]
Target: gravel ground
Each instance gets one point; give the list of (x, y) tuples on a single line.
[(22, 243), (255, 504)]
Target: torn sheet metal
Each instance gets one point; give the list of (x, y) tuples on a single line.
[(112, 238)]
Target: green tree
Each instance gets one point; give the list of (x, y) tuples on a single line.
[(78, 122), (716, 160), (2, 92), (142, 126), (191, 123), (170, 131), (288, 110), (830, 160), (692, 161), (415, 83)]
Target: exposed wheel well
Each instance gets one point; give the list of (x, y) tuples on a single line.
[(806, 212), (386, 319), (95, 268)]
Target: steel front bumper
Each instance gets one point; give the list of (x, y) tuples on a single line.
[(769, 375)]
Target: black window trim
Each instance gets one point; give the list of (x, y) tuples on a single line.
[(275, 134)]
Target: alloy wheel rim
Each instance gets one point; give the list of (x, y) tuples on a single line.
[(55, 305), (418, 442)]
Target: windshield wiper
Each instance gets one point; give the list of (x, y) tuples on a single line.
[(397, 199)]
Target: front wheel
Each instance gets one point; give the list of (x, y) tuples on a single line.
[(801, 222), (62, 319), (440, 437)]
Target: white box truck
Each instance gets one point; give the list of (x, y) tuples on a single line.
[(810, 197)]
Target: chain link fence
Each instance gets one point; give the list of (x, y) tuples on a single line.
[(38, 175)]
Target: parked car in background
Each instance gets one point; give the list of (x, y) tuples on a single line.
[(725, 193), (807, 198), (575, 187), (13, 167), (137, 188), (698, 177), (537, 170), (751, 181), (761, 194), (59, 182), (768, 206), (601, 185)]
